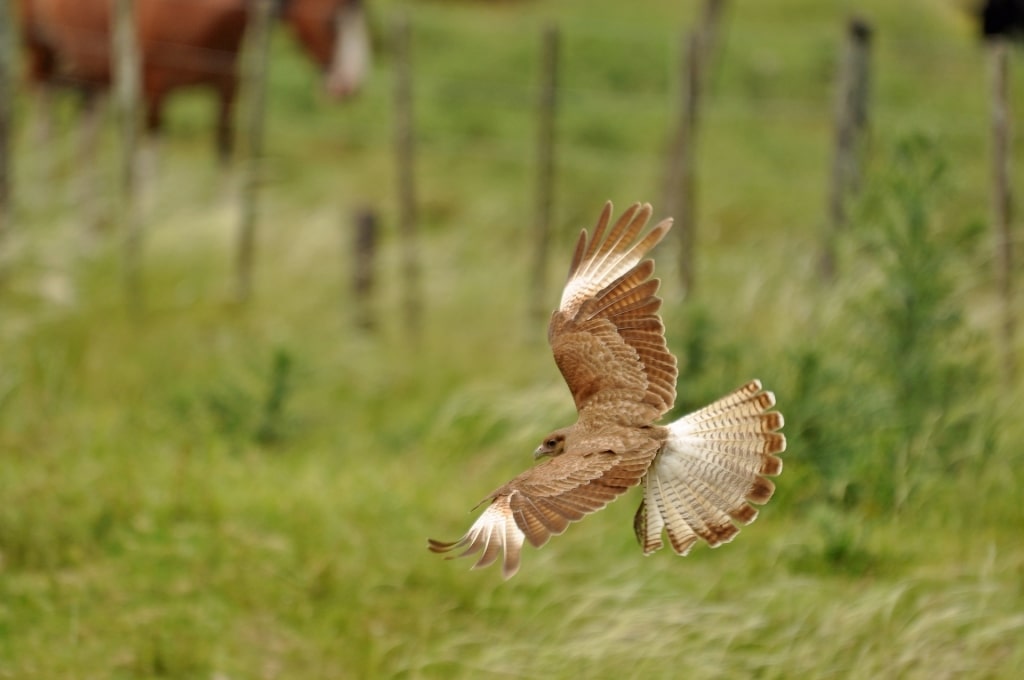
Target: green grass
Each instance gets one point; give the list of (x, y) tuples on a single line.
[(211, 491)]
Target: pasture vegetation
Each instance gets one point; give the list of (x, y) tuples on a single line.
[(211, 491)]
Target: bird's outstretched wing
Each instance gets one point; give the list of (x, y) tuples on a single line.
[(542, 501), (609, 344), (714, 461), (606, 335)]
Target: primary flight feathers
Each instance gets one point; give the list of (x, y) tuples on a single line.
[(698, 473)]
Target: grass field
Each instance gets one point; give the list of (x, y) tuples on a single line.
[(215, 491)]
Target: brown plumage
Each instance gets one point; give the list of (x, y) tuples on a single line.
[(698, 472)]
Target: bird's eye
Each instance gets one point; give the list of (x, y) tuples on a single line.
[(550, 443)]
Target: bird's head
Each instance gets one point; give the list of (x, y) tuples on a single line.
[(552, 445)]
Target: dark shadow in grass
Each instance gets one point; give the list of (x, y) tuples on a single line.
[(838, 547), (245, 408)]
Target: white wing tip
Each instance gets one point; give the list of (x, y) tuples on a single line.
[(494, 532)]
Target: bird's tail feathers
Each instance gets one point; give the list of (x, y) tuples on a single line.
[(713, 465)]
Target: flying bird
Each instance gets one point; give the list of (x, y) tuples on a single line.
[(698, 473)]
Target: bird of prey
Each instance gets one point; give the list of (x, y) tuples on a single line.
[(698, 473)]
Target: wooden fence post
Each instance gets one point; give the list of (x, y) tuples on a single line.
[(257, 47), (6, 114), (364, 266), (405, 165), (680, 180), (1002, 200), (851, 124), (547, 113), (126, 55), (687, 210)]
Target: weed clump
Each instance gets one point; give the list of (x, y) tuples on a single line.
[(887, 394)]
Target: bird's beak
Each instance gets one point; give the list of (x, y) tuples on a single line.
[(540, 452)]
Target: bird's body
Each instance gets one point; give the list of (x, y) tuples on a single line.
[(608, 342)]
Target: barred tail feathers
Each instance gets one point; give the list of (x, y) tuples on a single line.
[(713, 465)]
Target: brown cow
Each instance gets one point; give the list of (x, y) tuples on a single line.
[(185, 43)]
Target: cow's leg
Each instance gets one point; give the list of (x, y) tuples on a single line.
[(39, 74), (149, 148), (44, 144)]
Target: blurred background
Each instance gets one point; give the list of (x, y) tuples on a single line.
[(239, 390)]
